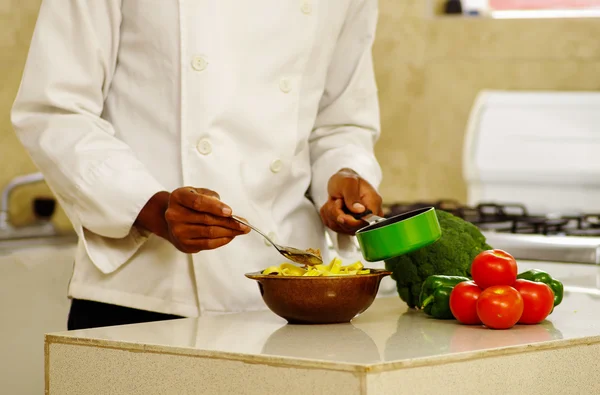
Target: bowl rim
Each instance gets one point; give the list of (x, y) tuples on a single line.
[(374, 273)]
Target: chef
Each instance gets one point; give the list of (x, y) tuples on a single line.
[(155, 121)]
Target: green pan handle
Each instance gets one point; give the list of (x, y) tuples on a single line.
[(358, 216)]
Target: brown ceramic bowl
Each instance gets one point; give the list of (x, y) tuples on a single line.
[(319, 300)]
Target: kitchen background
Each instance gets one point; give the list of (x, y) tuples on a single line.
[(429, 69)]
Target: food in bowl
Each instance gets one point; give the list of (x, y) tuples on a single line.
[(334, 268)]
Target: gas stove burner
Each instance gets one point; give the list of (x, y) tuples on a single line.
[(504, 211), (510, 218), (468, 214), (590, 232), (593, 220), (452, 206), (539, 225)]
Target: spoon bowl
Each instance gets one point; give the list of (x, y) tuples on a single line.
[(291, 253)]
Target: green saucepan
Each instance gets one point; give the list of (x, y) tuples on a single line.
[(386, 238)]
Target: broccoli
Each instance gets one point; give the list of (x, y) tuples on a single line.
[(451, 255)]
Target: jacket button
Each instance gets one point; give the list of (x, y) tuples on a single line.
[(306, 8), (272, 237), (204, 147), (276, 166), (285, 85), (199, 63)]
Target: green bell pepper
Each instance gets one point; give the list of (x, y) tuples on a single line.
[(435, 295), (543, 277)]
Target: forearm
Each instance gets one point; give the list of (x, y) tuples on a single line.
[(97, 178), (57, 116), (347, 125)]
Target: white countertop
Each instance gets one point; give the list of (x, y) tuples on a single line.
[(387, 336)]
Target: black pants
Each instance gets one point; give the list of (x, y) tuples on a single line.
[(86, 314)]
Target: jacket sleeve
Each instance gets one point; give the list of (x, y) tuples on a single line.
[(97, 179), (347, 125)]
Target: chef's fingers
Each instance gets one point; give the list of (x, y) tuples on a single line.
[(324, 213), (371, 199), (186, 232), (210, 244), (212, 232), (351, 194), (183, 215), (196, 245), (188, 197), (330, 220), (326, 218), (340, 228), (204, 191), (349, 222)]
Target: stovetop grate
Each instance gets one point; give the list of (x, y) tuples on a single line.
[(509, 218)]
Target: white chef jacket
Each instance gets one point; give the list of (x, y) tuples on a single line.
[(259, 100)]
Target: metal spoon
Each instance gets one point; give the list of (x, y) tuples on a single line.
[(291, 253)]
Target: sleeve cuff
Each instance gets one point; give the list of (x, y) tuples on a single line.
[(104, 217)]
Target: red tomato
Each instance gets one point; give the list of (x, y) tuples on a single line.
[(463, 302), (538, 301), (500, 307), (494, 267)]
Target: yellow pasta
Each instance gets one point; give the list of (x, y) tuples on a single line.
[(334, 268)]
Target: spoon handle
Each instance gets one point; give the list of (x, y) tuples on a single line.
[(241, 221)]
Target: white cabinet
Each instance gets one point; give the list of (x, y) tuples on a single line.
[(33, 301), (536, 148)]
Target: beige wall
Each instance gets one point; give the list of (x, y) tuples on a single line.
[(17, 18), (429, 71)]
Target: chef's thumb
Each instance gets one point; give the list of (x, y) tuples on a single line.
[(351, 193)]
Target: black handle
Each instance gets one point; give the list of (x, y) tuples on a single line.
[(358, 216)]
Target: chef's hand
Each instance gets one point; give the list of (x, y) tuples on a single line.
[(347, 188), (194, 219)]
